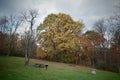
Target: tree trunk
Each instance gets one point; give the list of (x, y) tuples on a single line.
[(10, 46), (92, 61), (9, 51), (26, 58), (76, 61), (8, 54)]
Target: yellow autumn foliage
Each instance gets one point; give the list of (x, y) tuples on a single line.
[(59, 34)]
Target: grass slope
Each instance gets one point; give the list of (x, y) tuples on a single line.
[(12, 68)]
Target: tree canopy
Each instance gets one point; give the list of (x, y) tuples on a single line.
[(58, 34)]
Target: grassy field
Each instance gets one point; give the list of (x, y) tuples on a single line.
[(12, 68)]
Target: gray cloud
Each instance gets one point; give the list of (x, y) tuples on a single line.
[(87, 10)]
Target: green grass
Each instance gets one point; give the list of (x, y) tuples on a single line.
[(12, 68)]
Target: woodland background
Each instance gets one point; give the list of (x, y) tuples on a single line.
[(59, 38)]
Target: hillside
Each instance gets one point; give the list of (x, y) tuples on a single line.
[(12, 68)]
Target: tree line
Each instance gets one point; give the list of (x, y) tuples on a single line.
[(13, 43), (60, 38)]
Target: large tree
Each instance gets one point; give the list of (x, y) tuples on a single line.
[(28, 39), (114, 23), (95, 43), (58, 36)]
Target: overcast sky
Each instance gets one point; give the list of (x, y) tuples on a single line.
[(86, 10)]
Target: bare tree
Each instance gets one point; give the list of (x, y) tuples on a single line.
[(3, 31), (30, 36), (13, 24), (9, 26), (114, 23), (100, 27)]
